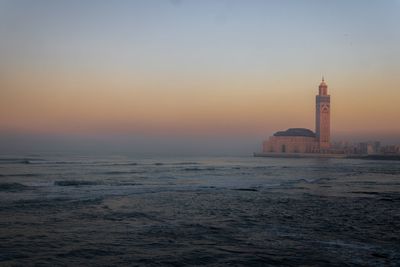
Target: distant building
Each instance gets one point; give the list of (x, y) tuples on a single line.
[(369, 148), (391, 149), (301, 140)]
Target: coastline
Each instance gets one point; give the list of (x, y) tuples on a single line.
[(320, 155)]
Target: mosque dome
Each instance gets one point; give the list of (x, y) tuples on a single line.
[(296, 132)]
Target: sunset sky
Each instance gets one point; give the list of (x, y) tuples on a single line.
[(214, 74)]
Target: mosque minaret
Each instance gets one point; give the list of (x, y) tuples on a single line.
[(301, 140), (322, 117)]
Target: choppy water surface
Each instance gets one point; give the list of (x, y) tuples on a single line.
[(102, 211)]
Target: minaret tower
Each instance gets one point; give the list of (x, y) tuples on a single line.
[(322, 118)]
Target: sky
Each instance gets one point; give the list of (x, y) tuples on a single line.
[(194, 76)]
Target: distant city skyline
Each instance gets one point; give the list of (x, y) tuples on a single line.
[(190, 73)]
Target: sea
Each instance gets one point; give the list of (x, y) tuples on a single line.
[(66, 210)]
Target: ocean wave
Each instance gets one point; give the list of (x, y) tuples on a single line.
[(245, 189), (20, 175), (308, 181), (130, 215), (12, 187), (199, 169), (193, 169), (65, 162), (176, 163), (125, 184), (120, 172), (120, 164), (88, 253), (185, 163), (75, 183), (324, 179), (19, 160), (262, 167), (58, 162), (33, 161)]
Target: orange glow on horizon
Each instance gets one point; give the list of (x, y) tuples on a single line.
[(249, 104)]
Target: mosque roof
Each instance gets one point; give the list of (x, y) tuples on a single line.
[(296, 132), (323, 84)]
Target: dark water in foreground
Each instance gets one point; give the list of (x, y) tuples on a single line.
[(73, 211)]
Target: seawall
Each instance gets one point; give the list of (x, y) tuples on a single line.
[(298, 155), (318, 155)]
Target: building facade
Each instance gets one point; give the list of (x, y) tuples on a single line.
[(293, 140), (301, 140)]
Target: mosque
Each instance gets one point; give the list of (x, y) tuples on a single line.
[(301, 140)]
